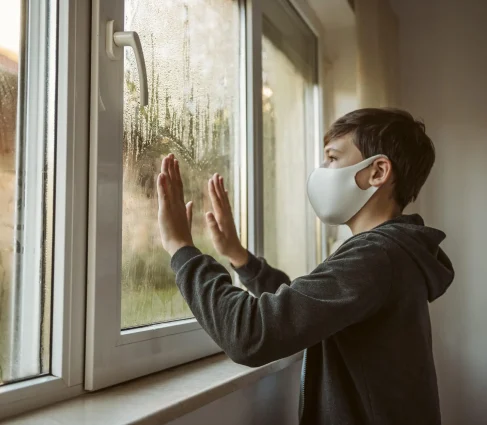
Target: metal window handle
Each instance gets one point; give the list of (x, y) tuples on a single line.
[(115, 41)]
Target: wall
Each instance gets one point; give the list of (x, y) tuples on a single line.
[(273, 400), (340, 45), (444, 80), (340, 75)]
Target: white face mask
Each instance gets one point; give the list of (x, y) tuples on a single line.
[(334, 193)]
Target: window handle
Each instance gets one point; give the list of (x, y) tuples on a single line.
[(115, 41)]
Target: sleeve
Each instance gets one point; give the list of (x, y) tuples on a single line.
[(347, 288), (259, 277)]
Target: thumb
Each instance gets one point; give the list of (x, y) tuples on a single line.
[(212, 223), (189, 213)]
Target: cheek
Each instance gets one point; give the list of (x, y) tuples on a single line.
[(362, 179)]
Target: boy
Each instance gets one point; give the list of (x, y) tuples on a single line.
[(362, 315)]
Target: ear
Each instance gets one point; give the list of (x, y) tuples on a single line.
[(380, 172)]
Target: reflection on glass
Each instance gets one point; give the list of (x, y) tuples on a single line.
[(287, 124), (8, 109), (192, 51), (26, 200)]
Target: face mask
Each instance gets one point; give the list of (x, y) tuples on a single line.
[(334, 193)]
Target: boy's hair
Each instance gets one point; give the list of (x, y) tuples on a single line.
[(396, 134)]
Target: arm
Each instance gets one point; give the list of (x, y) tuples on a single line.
[(260, 277), (254, 272), (346, 289)]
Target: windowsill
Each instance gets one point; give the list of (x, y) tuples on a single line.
[(157, 398)]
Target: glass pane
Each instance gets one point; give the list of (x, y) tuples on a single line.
[(26, 190), (9, 46), (192, 52), (288, 123)]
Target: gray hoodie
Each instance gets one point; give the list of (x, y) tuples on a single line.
[(361, 315)]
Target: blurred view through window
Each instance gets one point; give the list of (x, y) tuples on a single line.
[(192, 53)]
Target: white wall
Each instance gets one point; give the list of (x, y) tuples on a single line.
[(444, 80), (273, 400), (340, 69), (340, 45)]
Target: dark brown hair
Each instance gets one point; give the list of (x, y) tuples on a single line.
[(396, 134)]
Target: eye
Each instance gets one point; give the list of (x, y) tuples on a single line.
[(332, 158)]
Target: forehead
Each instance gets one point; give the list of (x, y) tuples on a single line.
[(342, 144)]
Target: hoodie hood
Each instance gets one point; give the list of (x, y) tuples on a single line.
[(421, 243)]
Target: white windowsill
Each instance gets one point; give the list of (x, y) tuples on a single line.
[(157, 398)]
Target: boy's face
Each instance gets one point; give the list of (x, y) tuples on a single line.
[(342, 152)]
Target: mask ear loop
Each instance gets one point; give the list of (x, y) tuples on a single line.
[(375, 189), (372, 160)]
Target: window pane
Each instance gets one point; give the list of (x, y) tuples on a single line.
[(288, 121), (26, 188), (192, 52)]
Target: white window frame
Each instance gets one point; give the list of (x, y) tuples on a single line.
[(70, 200), (112, 355)]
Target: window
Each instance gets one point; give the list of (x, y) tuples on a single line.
[(201, 59), (27, 118), (289, 79), (193, 54), (87, 295)]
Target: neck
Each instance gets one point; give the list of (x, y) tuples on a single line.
[(372, 216)]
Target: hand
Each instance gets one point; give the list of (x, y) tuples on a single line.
[(174, 216), (222, 226)]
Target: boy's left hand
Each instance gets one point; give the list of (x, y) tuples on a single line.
[(174, 216)]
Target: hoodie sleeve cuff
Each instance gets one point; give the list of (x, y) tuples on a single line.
[(182, 256), (249, 270)]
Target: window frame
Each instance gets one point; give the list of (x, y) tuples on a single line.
[(313, 151), (112, 355), (109, 350), (34, 133), (70, 199)]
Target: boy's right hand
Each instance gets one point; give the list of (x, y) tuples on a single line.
[(222, 226)]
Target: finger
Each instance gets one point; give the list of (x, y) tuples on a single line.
[(215, 201), (166, 185), (172, 184), (175, 193), (224, 193), (179, 180), (177, 171), (212, 223), (216, 182), (171, 169), (164, 165), (161, 188), (189, 213)]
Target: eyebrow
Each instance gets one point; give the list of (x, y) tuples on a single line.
[(328, 149)]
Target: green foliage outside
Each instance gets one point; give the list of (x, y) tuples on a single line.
[(200, 137)]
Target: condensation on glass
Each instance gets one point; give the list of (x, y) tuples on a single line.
[(289, 77), (192, 53), (26, 187)]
